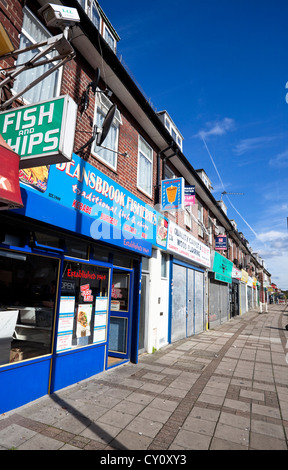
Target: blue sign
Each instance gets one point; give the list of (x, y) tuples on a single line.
[(112, 213), (172, 194), (221, 242)]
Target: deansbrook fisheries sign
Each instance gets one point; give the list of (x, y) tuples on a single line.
[(42, 133)]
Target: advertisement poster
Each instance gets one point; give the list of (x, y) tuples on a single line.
[(221, 242), (189, 195), (66, 321), (84, 314), (100, 319)]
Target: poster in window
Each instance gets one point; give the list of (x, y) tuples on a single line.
[(66, 320), (84, 313)]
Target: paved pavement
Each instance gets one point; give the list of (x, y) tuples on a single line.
[(223, 389)]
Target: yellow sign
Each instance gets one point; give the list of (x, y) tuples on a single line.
[(244, 277)]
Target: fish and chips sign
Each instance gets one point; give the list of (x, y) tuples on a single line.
[(42, 133)]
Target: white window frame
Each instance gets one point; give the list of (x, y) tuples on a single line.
[(188, 216), (200, 218), (28, 36), (102, 105), (107, 30), (150, 160)]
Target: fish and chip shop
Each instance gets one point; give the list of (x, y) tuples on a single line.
[(70, 278)]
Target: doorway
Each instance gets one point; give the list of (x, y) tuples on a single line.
[(119, 339)]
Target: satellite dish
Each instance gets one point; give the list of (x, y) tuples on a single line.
[(106, 125)]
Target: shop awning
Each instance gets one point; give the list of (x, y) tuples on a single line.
[(10, 196)]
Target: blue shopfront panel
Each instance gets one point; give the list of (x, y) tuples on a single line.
[(75, 366), (23, 384)]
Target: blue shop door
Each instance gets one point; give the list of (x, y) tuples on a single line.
[(119, 339)]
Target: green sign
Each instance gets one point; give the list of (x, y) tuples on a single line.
[(41, 133), (222, 268)]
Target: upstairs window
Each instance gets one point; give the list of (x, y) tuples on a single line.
[(145, 167), (95, 17), (109, 38), (107, 152), (200, 219), (34, 32)]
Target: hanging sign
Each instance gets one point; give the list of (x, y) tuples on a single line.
[(221, 242), (222, 267), (172, 194), (42, 133), (189, 195)]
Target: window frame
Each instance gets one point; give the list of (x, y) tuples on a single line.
[(151, 161), (102, 105), (107, 30), (200, 219), (27, 35)]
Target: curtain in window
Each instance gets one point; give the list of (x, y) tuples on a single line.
[(145, 173), (47, 88), (110, 142), (145, 167)]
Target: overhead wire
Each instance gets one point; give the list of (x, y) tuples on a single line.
[(245, 221)]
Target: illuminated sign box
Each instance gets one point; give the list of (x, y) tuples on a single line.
[(42, 133)]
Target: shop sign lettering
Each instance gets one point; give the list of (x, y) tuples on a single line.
[(42, 133)]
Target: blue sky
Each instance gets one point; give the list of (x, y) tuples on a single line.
[(220, 69)]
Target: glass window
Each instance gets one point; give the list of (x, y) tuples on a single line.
[(122, 260), (188, 216), (84, 299), (120, 291), (77, 249), (145, 166), (108, 151), (109, 38), (163, 265), (33, 32), (200, 218), (95, 17), (27, 305)]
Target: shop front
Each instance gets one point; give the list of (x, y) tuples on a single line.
[(69, 282), (187, 271), (243, 292), (234, 292), (219, 281)]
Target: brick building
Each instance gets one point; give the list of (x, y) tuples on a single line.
[(93, 271)]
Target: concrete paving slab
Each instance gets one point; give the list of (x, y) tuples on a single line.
[(204, 392)]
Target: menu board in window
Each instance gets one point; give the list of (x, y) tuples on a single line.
[(100, 319)]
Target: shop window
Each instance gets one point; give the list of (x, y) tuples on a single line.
[(100, 254), (47, 240), (83, 306), (12, 237), (76, 249), (28, 285), (122, 260)]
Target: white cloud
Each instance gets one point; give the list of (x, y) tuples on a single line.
[(217, 128), (246, 145), (280, 161)]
